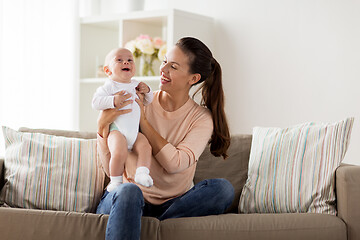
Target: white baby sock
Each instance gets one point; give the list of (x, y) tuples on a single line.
[(142, 177), (114, 182)]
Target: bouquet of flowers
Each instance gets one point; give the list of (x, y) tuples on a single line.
[(147, 49)]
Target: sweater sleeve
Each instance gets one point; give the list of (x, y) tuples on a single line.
[(175, 159), (102, 100)]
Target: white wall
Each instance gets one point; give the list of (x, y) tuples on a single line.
[(287, 61), (38, 64)]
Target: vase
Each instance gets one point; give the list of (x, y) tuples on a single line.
[(146, 65)]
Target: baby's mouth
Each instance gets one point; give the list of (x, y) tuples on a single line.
[(126, 69)]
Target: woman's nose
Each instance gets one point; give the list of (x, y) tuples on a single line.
[(163, 67)]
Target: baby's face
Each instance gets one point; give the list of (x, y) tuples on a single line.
[(122, 66)]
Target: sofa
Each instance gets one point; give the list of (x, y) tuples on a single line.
[(16, 223)]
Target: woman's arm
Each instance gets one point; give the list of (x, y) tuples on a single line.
[(156, 141), (175, 159), (180, 157)]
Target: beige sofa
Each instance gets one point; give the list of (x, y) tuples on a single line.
[(40, 224)]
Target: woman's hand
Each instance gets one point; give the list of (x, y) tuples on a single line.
[(106, 117)]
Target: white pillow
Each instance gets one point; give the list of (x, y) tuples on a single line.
[(292, 169), (51, 172)]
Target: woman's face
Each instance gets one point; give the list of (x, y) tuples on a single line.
[(174, 70)]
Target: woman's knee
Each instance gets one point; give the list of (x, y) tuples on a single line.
[(226, 190), (128, 193)]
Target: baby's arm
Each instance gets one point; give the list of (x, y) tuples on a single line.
[(102, 100)]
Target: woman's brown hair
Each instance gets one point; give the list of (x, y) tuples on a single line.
[(201, 61)]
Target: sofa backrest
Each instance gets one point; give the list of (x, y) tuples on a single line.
[(234, 168), (63, 133)]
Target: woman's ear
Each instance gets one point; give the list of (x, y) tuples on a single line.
[(107, 70), (195, 78)]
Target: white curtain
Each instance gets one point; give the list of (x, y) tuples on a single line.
[(38, 64)]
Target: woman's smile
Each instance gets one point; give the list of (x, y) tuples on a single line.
[(164, 79)]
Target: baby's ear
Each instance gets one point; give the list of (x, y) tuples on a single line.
[(107, 70)]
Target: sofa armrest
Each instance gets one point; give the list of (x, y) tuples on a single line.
[(348, 195)]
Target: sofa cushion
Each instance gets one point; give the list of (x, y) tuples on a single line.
[(285, 226), (59, 225), (234, 168), (293, 169), (51, 172)]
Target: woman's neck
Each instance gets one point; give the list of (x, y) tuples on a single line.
[(172, 102)]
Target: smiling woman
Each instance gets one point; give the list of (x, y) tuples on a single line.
[(37, 69)]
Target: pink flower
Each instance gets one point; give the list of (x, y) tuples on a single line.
[(158, 42), (143, 36)]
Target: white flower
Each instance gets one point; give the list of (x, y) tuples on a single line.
[(145, 46), (162, 52), (131, 46)]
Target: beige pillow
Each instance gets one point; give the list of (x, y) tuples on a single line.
[(292, 169), (51, 172)]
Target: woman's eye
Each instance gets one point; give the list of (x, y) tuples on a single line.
[(173, 66)]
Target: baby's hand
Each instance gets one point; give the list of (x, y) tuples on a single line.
[(120, 98), (142, 88)]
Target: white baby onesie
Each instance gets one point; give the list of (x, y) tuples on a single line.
[(127, 124)]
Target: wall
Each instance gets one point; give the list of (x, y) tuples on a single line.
[(287, 61)]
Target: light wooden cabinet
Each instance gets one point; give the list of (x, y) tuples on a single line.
[(100, 34)]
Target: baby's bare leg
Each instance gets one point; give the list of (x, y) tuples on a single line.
[(143, 150), (118, 149)]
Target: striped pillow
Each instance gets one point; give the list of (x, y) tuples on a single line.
[(50, 172), (292, 169)]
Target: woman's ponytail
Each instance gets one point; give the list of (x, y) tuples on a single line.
[(202, 62)]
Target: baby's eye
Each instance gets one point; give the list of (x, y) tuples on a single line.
[(130, 60), (119, 60)]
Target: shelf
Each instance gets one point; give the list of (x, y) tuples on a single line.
[(142, 16), (138, 78)]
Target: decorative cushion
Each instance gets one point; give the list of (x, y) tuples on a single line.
[(292, 169), (51, 172)]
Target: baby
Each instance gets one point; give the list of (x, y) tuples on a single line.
[(124, 132)]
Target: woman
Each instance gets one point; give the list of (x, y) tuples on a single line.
[(178, 130)]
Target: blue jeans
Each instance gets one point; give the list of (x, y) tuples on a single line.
[(126, 205)]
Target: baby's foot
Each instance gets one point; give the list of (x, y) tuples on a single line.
[(142, 177), (112, 186), (115, 181)]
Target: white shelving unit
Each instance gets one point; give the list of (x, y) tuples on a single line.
[(100, 34)]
